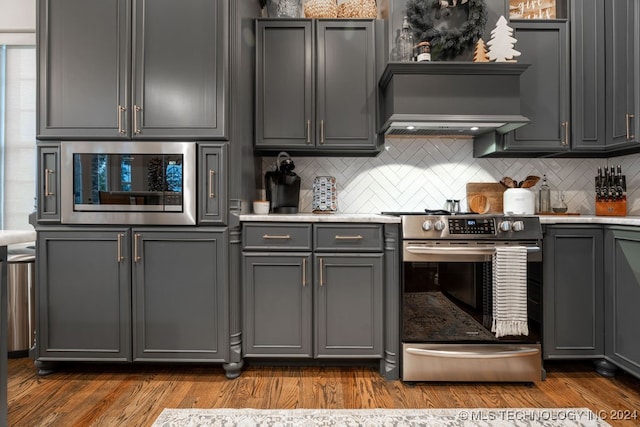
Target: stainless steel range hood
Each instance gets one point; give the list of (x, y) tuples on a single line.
[(450, 99)]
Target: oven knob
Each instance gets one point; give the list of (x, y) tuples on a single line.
[(505, 226), (439, 225), (517, 226), (427, 225)]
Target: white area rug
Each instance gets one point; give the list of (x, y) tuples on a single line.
[(378, 417)]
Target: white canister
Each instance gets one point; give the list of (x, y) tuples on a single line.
[(518, 201)]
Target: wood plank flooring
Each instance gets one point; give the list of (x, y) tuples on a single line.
[(134, 395)]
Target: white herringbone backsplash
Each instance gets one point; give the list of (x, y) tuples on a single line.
[(417, 174)]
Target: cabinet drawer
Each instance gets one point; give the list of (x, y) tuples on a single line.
[(348, 237), (290, 237)]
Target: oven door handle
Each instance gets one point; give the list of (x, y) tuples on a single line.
[(467, 354), (477, 250)]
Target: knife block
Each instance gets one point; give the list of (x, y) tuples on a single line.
[(611, 208)]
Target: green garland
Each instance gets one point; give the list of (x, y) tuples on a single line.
[(446, 44)]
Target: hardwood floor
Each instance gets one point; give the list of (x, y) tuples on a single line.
[(134, 395)]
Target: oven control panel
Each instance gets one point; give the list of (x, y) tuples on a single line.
[(469, 227), (483, 226)]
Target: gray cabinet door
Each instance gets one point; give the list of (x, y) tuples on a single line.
[(544, 87), (622, 298), (84, 51), (125, 69), (621, 49), (48, 199), (83, 293), (277, 304), (605, 82), (316, 88), (346, 85), (348, 305), (284, 92), (573, 293), (180, 69), (180, 292), (212, 193)]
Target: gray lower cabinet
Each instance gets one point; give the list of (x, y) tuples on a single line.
[(304, 101), (622, 297), (83, 295), (277, 304), (124, 69), (348, 305), (312, 305), (132, 294), (573, 292)]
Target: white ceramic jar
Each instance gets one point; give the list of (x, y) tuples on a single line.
[(518, 201)]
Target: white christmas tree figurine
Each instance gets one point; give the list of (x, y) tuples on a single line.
[(480, 52), (501, 43)]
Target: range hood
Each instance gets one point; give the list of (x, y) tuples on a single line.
[(450, 99)]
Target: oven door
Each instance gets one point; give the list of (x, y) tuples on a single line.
[(447, 314)]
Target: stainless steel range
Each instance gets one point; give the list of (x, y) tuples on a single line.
[(450, 281)]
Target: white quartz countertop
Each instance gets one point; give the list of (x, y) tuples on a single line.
[(389, 219), (590, 219), (11, 237), (331, 217)]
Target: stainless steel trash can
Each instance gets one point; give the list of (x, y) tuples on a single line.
[(21, 302)]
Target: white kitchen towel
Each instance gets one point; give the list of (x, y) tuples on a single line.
[(510, 291)]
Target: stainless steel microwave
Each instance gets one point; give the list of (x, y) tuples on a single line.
[(128, 182)]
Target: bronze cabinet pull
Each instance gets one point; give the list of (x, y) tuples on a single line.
[(304, 272), (211, 174), (119, 255), (136, 256), (136, 110), (308, 131), (356, 237), (121, 110), (47, 178)]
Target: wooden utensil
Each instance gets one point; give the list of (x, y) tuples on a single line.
[(479, 204), (508, 182), (529, 181)]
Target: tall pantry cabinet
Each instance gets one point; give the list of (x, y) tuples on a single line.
[(155, 70)]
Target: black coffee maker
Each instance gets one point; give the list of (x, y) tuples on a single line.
[(283, 186)]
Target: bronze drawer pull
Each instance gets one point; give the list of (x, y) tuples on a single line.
[(269, 236), (357, 237)]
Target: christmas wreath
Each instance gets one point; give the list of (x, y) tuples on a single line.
[(428, 20)]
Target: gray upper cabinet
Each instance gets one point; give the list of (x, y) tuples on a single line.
[(139, 69), (544, 87), (212, 193), (573, 292), (316, 86), (622, 317), (605, 97)]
